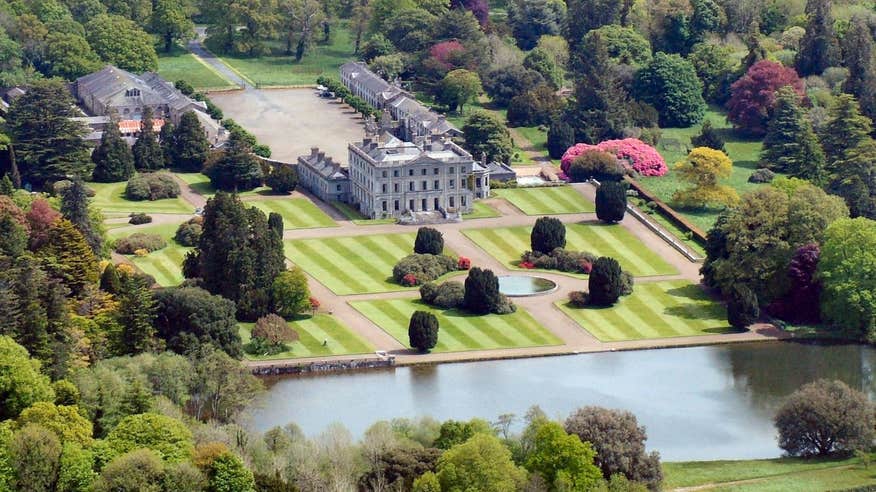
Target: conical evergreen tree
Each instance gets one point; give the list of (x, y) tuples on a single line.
[(136, 315), (846, 128), (113, 159), (147, 151), (6, 187), (560, 137), (708, 137), (69, 257), (191, 147), (854, 178), (238, 169), (167, 141), (860, 59), (74, 207), (790, 145), (109, 279), (756, 51), (818, 48)]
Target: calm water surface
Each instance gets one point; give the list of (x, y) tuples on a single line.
[(699, 403)]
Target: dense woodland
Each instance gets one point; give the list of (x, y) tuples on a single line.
[(109, 384)]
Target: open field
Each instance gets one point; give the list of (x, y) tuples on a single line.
[(312, 331), (459, 331), (547, 201), (284, 71), (673, 146), (481, 210), (507, 244), (165, 265), (297, 213), (357, 218), (182, 65), (353, 265), (110, 199), (769, 475), (673, 308)]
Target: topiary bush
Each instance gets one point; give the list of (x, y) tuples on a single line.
[(548, 234), (605, 284), (560, 259), (448, 295), (579, 299), (424, 267), (482, 294), (423, 331), (151, 186), (429, 242), (611, 201), (139, 241), (138, 218), (189, 232)]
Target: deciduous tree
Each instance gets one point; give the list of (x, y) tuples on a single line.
[(754, 95), (122, 42), (670, 84), (482, 463), (487, 135), (171, 22), (21, 382), (458, 88), (561, 459), (189, 317), (290, 293), (703, 169)]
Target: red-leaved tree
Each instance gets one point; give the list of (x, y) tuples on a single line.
[(40, 218), (752, 96), (447, 54), (801, 303)]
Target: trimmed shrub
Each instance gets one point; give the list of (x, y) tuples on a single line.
[(626, 283), (270, 335), (761, 176), (429, 242), (448, 295), (559, 259), (463, 263), (151, 186), (423, 331), (595, 164), (423, 267), (579, 299), (139, 241), (560, 136), (611, 201), (189, 232), (138, 218), (547, 235), (482, 292), (605, 283)]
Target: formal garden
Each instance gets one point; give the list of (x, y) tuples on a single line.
[(163, 264), (297, 213), (550, 200)]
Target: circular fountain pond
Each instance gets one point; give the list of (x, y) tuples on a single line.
[(524, 285)]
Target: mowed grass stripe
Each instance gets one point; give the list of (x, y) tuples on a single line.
[(322, 264), (547, 200), (635, 263), (353, 264), (655, 310), (312, 332), (297, 213), (165, 264), (459, 331)]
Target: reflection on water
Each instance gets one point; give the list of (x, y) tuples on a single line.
[(697, 403)]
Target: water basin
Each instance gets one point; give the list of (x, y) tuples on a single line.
[(524, 285), (530, 181)]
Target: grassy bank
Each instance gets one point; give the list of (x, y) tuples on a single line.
[(182, 65)]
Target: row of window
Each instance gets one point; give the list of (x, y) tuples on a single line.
[(436, 185), (424, 204)]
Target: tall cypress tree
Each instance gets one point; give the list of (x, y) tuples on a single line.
[(74, 207), (147, 151), (818, 48), (846, 128), (853, 177), (860, 59), (167, 140), (790, 145), (191, 147), (113, 159), (136, 315)]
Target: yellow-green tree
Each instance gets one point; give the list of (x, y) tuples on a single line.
[(703, 169)]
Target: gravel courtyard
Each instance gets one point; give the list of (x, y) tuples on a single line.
[(291, 121)]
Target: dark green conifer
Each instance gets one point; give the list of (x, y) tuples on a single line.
[(113, 159), (790, 145), (147, 151)]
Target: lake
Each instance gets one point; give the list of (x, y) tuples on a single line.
[(697, 403)]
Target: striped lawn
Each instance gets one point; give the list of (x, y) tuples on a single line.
[(166, 263), (312, 332), (459, 331), (297, 213), (352, 265), (201, 184), (481, 210), (547, 201), (507, 244), (110, 199), (674, 308)]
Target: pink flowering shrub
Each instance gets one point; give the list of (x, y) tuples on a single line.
[(463, 263), (446, 53), (409, 280), (644, 159), (586, 267)]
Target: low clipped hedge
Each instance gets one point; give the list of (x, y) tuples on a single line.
[(559, 259), (418, 269), (447, 295), (189, 232), (139, 241), (151, 186)]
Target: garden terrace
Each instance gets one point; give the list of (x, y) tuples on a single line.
[(312, 332), (297, 213), (508, 244), (355, 264), (458, 330), (674, 308), (551, 200)]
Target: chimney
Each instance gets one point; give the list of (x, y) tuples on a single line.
[(314, 151), (366, 142), (320, 155), (328, 160)]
